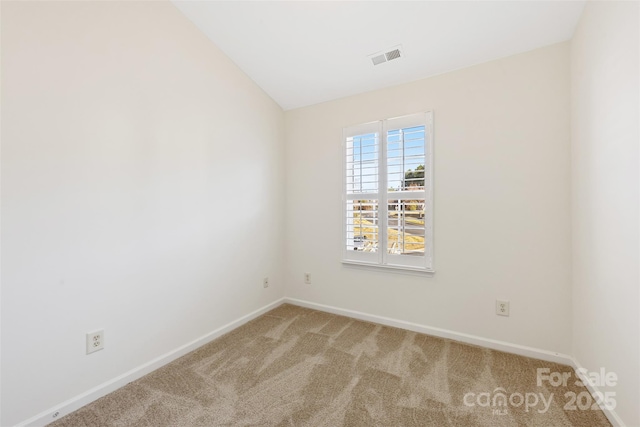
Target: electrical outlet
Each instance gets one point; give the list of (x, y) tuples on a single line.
[(95, 341), (502, 308), (307, 278), (265, 282)]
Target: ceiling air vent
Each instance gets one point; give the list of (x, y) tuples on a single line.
[(382, 57), (379, 59), (395, 53)]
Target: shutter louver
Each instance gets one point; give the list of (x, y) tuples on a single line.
[(406, 197), (362, 222)]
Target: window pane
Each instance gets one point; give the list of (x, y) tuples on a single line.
[(405, 227), (406, 158), (362, 225), (362, 164)]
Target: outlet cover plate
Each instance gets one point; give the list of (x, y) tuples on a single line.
[(95, 341), (502, 308)]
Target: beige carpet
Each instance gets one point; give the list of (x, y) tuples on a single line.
[(299, 367)]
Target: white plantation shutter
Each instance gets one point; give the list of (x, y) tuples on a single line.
[(408, 174), (362, 198), (388, 200)]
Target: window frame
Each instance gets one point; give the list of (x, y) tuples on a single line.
[(381, 258)]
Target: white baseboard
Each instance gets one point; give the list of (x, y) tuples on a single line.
[(95, 393), (521, 350), (442, 333), (611, 414)]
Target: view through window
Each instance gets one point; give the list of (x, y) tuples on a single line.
[(388, 197)]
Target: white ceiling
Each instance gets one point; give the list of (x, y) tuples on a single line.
[(303, 52)]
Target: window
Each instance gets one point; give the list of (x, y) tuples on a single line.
[(388, 193)]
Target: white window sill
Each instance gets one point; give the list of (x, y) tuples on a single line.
[(414, 271)]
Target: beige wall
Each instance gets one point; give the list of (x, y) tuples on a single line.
[(605, 118), (502, 211), (142, 193)]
